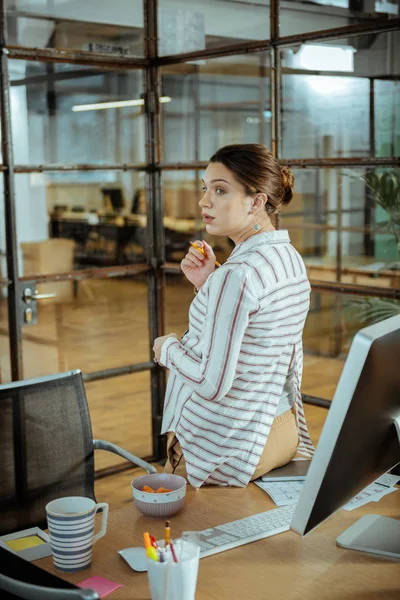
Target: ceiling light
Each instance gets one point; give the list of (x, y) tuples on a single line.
[(321, 57), (116, 104)]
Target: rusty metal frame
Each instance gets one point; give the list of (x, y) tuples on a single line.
[(78, 167), (302, 163), (156, 267), (155, 228), (377, 26), (328, 286), (76, 57), (15, 334)]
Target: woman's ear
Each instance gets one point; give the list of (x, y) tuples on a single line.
[(259, 202)]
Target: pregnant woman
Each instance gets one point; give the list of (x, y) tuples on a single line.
[(233, 408)]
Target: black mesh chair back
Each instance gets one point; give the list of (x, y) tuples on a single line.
[(46, 447)]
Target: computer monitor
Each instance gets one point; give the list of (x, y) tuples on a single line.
[(360, 441)]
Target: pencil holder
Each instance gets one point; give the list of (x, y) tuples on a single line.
[(175, 581)]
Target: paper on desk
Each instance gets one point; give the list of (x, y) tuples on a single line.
[(372, 493), (282, 493), (100, 585), (25, 542), (388, 479)]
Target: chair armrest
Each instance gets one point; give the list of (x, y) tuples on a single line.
[(109, 447), (315, 401)]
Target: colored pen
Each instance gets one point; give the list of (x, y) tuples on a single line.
[(150, 551), (217, 264), (171, 545), (153, 542), (146, 539), (167, 534)]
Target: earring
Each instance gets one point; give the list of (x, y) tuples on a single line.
[(256, 226)]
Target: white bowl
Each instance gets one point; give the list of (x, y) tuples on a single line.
[(159, 505)]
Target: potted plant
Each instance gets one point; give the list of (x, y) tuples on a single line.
[(385, 192)]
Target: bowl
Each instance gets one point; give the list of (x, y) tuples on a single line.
[(162, 505)]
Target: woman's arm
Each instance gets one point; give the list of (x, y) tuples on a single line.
[(231, 302)]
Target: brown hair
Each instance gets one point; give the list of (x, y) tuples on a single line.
[(259, 172)]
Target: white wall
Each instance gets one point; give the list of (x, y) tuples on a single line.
[(31, 210)]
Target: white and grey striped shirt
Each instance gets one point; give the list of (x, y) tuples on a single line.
[(228, 373)]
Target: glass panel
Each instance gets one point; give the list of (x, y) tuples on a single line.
[(187, 26), (89, 326), (334, 319), (107, 27), (120, 410), (326, 107), (67, 114), (311, 216), (300, 17), (369, 235), (312, 221), (221, 101), (325, 333), (79, 220), (387, 118)]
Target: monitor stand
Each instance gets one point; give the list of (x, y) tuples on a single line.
[(373, 533)]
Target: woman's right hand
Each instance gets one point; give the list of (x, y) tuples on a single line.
[(198, 267)]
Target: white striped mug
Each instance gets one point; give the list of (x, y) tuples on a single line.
[(71, 527)]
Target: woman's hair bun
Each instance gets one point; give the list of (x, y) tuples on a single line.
[(288, 185)]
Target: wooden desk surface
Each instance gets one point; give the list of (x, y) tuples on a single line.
[(283, 566)]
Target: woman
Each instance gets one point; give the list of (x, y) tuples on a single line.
[(233, 407)]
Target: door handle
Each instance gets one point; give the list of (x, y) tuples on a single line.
[(30, 295), (38, 296)]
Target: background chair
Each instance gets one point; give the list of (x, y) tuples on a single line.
[(46, 448)]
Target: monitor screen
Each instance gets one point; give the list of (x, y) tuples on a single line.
[(359, 440)]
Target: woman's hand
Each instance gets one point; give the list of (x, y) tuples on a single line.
[(158, 345), (197, 267)]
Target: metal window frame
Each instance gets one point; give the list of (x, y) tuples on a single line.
[(156, 267)]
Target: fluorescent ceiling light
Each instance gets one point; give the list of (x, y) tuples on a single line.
[(320, 57), (116, 104)]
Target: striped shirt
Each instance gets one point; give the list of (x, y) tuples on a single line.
[(228, 372)]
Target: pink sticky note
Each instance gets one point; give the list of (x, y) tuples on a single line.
[(100, 585)]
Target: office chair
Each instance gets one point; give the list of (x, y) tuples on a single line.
[(29, 591), (46, 448)]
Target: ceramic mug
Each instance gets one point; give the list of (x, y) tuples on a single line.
[(71, 527)]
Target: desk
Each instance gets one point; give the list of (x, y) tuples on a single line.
[(119, 234), (284, 566)]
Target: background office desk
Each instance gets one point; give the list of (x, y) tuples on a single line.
[(284, 566)]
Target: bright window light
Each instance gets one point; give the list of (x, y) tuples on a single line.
[(116, 104), (319, 57)]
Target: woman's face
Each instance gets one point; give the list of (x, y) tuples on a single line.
[(225, 205)]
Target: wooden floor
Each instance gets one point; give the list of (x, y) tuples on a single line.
[(106, 326)]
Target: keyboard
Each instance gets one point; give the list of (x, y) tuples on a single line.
[(243, 531)]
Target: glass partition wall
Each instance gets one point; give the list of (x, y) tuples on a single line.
[(108, 118)]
